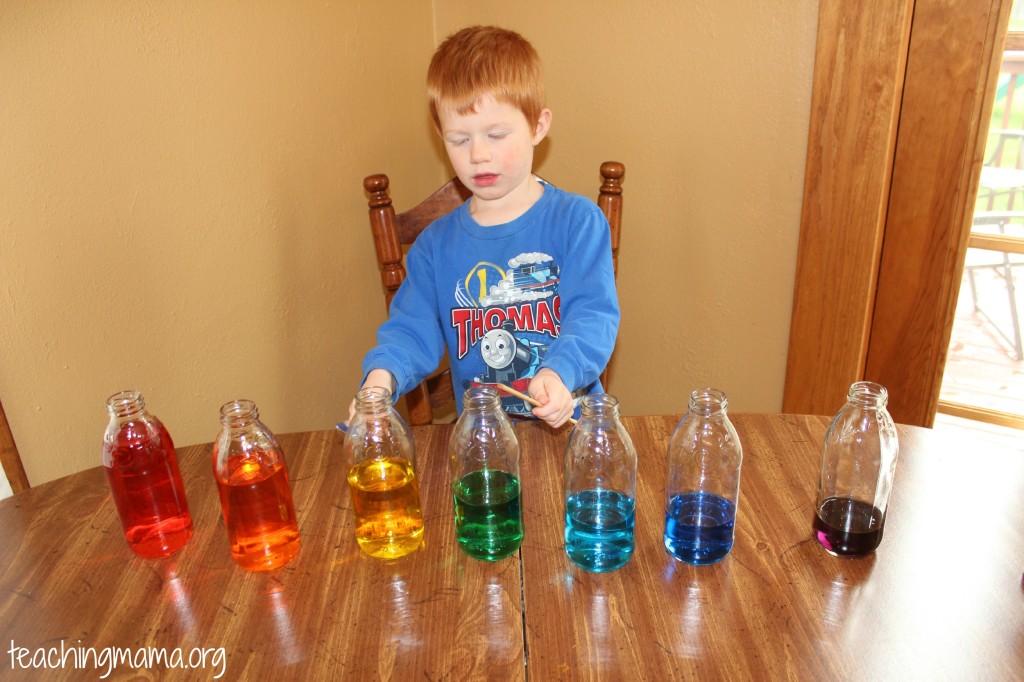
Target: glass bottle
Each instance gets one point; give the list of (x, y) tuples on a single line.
[(145, 482), (380, 453), (255, 496), (600, 487), (704, 458), (485, 477), (857, 467)]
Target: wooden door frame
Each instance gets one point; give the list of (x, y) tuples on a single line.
[(895, 149)]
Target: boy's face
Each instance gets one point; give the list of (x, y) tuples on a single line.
[(491, 150)]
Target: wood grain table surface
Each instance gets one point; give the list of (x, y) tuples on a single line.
[(942, 598)]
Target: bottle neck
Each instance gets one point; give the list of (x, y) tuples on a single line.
[(708, 402), (599, 406), (374, 400), (481, 399), (868, 394), (125, 404), (238, 413)]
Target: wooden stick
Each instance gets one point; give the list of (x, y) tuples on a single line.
[(523, 396)]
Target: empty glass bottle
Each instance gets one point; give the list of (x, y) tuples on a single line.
[(145, 482), (380, 453), (485, 478), (857, 468), (600, 487), (255, 496), (704, 458)]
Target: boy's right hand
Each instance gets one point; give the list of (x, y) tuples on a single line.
[(375, 377), (556, 403)]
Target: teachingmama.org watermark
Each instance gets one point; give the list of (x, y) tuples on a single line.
[(108, 658)]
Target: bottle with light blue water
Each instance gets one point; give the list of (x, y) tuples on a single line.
[(600, 487), (703, 487)]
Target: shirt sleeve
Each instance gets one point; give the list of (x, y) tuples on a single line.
[(589, 306), (410, 344)]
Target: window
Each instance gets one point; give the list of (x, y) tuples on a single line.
[(983, 378)]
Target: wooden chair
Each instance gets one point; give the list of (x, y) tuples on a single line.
[(392, 231), (9, 457)]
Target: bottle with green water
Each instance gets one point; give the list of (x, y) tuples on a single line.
[(485, 478)]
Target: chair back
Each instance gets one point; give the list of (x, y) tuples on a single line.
[(392, 231), (9, 457)]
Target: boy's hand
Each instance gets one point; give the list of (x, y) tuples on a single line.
[(556, 404), (375, 377)]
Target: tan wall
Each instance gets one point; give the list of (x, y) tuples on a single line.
[(181, 210)]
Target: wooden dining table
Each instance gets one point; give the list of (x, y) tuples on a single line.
[(941, 599)]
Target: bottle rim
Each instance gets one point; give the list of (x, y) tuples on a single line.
[(373, 393), (708, 400), (594, 402), (480, 397), (868, 392), (124, 403), (238, 412), (373, 400)]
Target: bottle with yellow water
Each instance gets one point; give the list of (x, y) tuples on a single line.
[(380, 454)]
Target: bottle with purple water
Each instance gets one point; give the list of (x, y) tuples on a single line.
[(858, 462), (703, 487)]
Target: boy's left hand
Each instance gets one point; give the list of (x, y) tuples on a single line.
[(556, 403)]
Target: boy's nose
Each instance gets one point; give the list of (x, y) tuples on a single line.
[(479, 153)]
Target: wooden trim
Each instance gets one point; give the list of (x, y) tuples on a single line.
[(993, 242), (9, 457), (855, 102), (951, 75), (1015, 41), (981, 414)]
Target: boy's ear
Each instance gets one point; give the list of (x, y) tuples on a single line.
[(543, 126)]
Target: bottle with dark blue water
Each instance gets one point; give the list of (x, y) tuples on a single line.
[(704, 458), (600, 487)]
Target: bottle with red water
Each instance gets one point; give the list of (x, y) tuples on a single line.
[(145, 481), (254, 492)]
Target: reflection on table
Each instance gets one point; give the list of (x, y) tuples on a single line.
[(942, 597)]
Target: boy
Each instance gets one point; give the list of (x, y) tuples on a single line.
[(518, 281)]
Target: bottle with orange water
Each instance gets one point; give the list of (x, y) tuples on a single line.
[(380, 456), (255, 496), (145, 482)]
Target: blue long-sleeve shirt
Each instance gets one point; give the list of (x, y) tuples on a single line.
[(506, 300)]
